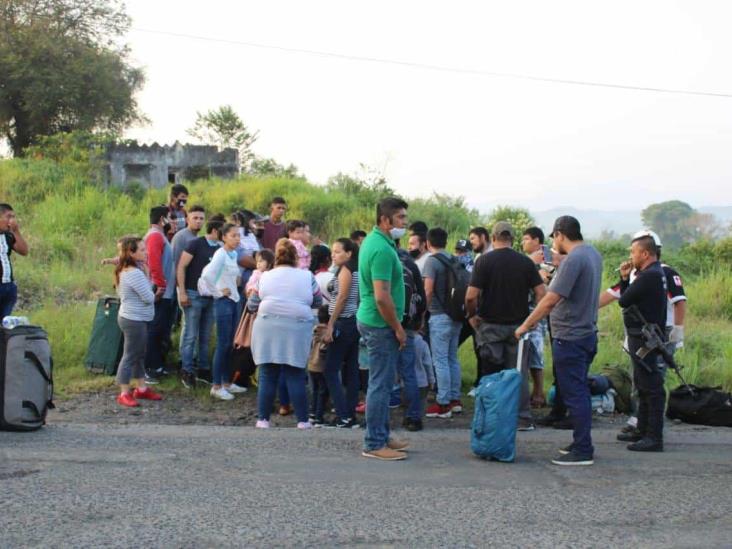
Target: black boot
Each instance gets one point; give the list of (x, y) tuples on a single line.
[(646, 445), (633, 435)]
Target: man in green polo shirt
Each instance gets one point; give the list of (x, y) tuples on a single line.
[(380, 313)]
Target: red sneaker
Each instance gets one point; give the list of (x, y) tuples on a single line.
[(439, 410), (126, 399), (361, 408), (285, 410), (147, 394), (456, 407)]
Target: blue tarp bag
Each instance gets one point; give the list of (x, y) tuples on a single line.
[(493, 433)]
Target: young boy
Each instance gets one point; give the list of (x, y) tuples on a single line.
[(316, 367), (423, 367)]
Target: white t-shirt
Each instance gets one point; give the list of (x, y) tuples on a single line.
[(323, 279), (288, 292), (422, 261)]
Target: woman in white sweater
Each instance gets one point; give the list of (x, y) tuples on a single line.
[(137, 309), (220, 278)]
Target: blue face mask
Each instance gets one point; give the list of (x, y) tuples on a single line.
[(213, 243), (231, 254)]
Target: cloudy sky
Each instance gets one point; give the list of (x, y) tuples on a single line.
[(493, 139)]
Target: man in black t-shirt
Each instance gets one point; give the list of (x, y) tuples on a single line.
[(197, 309), (497, 302), (10, 241)]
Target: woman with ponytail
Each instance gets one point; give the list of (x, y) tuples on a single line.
[(137, 309)]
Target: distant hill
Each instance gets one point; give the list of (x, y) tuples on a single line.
[(594, 222)]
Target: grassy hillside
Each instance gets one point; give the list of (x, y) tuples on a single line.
[(71, 224)]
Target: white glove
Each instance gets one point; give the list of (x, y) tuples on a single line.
[(677, 336)]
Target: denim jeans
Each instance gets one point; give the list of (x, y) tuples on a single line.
[(444, 337), (199, 319), (572, 361), (408, 375), (158, 334), (226, 323), (536, 338), (269, 375), (342, 360), (383, 351), (8, 297)]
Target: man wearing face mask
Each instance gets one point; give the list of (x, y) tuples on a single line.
[(177, 209), (380, 314), (417, 248), (162, 272)]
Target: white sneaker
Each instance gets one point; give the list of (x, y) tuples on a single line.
[(305, 425), (221, 394), (471, 394), (234, 389), (261, 424)]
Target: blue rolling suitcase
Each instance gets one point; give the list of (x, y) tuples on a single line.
[(493, 432)]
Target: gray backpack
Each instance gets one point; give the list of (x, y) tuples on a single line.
[(26, 378)]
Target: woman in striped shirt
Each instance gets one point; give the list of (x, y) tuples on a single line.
[(342, 334), (137, 309)]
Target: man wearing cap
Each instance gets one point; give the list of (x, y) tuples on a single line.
[(497, 302), (463, 253), (675, 313), (572, 299)]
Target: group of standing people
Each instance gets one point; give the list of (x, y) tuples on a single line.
[(320, 316)]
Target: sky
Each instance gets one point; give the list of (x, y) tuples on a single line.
[(493, 139)]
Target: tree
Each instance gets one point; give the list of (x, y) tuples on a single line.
[(519, 218), (224, 128), (671, 220), (270, 167), (62, 69)]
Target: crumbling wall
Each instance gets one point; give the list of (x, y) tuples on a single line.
[(156, 166)]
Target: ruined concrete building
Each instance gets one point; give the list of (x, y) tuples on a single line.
[(156, 166)]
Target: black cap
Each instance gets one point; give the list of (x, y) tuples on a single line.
[(568, 226), (462, 246)]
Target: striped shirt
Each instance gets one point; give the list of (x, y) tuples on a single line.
[(137, 301), (351, 306), (7, 241)]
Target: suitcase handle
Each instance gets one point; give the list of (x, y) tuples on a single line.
[(30, 355)]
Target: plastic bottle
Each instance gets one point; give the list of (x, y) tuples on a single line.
[(10, 322)]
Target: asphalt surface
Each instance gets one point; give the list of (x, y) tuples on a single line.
[(95, 485)]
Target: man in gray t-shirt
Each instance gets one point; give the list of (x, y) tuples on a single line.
[(195, 218), (572, 303), (444, 331), (578, 282)]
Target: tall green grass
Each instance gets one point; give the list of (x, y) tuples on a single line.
[(71, 224)]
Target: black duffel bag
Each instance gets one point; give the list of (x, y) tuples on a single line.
[(706, 406)]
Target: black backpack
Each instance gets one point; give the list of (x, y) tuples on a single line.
[(458, 279), (414, 305), (707, 406)]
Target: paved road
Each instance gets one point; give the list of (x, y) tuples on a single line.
[(86, 485)]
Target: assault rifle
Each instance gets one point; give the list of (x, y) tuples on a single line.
[(655, 340)]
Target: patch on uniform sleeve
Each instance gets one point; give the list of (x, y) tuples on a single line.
[(677, 280)]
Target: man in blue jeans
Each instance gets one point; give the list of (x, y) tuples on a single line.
[(444, 331), (380, 313), (10, 241), (572, 300), (198, 310)]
